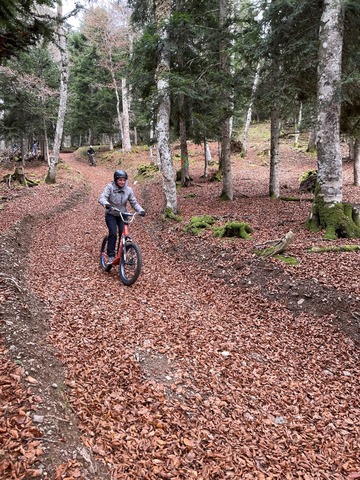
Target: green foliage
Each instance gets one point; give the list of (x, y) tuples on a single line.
[(22, 27), (234, 229), (29, 92), (199, 223)]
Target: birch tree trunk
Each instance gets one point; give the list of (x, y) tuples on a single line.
[(125, 116), (274, 182), (328, 211), (64, 76), (163, 8), (357, 162), (116, 89), (207, 157), (298, 126), (227, 191), (249, 112), (328, 131)]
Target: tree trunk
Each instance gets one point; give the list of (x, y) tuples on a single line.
[(227, 191), (125, 116), (328, 212), (185, 177), (298, 126), (64, 75), (207, 157), (249, 112), (163, 9), (274, 182), (357, 162), (312, 141), (351, 145)]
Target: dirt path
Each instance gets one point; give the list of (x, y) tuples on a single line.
[(181, 376)]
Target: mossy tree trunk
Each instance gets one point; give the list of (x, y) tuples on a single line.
[(224, 61), (338, 219), (357, 162)]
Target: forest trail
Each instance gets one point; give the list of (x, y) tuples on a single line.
[(180, 376)]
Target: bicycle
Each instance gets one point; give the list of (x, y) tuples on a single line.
[(91, 159), (128, 255)]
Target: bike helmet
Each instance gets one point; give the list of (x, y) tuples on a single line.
[(120, 174)]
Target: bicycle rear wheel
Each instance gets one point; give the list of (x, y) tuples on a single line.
[(130, 263), (103, 255)]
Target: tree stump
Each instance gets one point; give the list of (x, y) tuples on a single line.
[(19, 177)]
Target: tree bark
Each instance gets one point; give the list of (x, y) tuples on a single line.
[(163, 9), (64, 75), (227, 190), (298, 126), (185, 177), (125, 116), (328, 131), (357, 162), (328, 212), (249, 112), (274, 182)]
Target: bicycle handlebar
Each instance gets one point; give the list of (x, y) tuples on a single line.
[(130, 216)]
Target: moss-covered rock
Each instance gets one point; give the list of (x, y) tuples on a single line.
[(198, 224), (233, 229)]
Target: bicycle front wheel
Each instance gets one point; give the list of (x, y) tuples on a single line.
[(103, 255), (130, 263)]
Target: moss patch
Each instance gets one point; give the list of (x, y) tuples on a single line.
[(333, 248), (233, 229), (170, 215), (147, 170), (289, 260), (198, 224)]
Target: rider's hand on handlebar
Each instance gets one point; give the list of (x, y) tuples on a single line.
[(108, 206), (142, 213)]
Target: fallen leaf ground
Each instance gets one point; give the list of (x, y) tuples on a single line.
[(215, 364)]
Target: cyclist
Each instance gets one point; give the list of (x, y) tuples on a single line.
[(117, 194), (91, 153)]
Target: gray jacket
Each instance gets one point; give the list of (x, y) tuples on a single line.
[(118, 197)]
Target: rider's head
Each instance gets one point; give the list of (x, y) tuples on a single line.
[(91, 146), (120, 174)]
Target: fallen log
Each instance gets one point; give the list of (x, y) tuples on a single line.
[(275, 247)]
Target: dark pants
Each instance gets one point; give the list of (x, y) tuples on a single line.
[(114, 224)]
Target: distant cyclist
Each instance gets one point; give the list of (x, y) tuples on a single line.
[(91, 153), (117, 194)]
